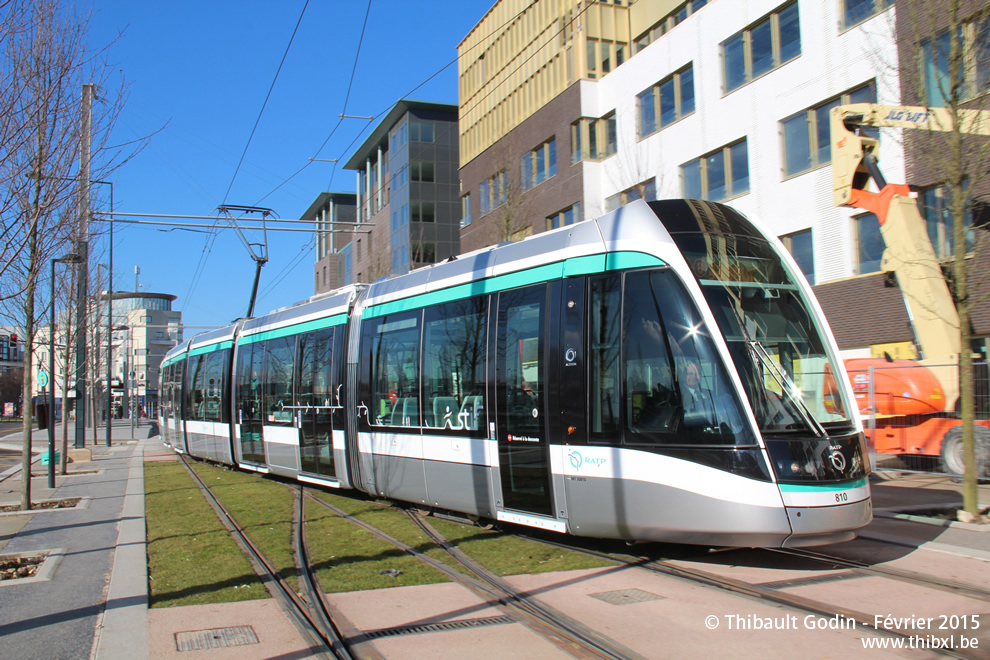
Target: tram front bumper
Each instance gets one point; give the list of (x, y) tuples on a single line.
[(822, 525)]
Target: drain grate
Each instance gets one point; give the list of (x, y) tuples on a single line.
[(626, 596), (215, 638), (439, 627), (815, 579)]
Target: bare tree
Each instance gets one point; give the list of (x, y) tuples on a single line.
[(510, 220), (45, 62), (943, 62)]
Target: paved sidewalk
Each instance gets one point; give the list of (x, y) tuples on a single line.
[(90, 600)]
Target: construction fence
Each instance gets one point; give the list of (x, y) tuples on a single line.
[(912, 419)]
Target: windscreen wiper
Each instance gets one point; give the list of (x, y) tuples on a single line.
[(788, 387)]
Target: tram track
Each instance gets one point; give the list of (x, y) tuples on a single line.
[(901, 575), (308, 610), (567, 634), (770, 592)]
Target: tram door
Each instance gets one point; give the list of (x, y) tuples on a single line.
[(316, 402), (520, 400), (178, 436), (249, 419)]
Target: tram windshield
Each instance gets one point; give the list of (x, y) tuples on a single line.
[(776, 341)]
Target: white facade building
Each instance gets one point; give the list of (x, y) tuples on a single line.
[(832, 62)]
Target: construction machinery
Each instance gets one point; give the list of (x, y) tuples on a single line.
[(913, 402)]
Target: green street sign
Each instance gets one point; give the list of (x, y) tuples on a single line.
[(42, 378)]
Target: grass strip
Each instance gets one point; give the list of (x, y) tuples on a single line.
[(349, 558), (262, 508), (393, 522), (505, 554), (192, 559)]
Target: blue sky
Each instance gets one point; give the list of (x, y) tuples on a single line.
[(202, 69)]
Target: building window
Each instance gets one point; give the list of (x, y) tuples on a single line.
[(423, 211), (494, 192), (974, 70), (399, 137), (801, 248), (646, 190), (869, 244), (762, 47), (667, 101), (936, 208), (577, 140), (668, 22), (603, 56), (857, 11), (424, 253), (466, 210), (566, 217), (719, 175), (420, 131), (422, 172), (539, 164), (807, 142), (598, 137)]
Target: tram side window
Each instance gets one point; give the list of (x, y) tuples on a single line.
[(197, 388), (164, 389), (248, 382), (454, 356), (604, 358), (213, 381), (279, 355), (393, 345), (186, 395), (315, 370), (177, 372)]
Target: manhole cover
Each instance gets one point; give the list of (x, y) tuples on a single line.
[(626, 596), (215, 638)]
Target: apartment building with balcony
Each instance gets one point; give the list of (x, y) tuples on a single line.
[(407, 208)]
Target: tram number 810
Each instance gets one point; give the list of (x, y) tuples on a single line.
[(842, 497)]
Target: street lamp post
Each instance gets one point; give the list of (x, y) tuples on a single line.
[(109, 318), (125, 404), (81, 256), (67, 259)]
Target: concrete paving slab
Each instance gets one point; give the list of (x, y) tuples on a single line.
[(689, 620), (276, 634)]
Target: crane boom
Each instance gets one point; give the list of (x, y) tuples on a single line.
[(909, 253)]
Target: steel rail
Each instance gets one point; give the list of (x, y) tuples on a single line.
[(910, 577), (295, 605), (758, 592), (563, 632)]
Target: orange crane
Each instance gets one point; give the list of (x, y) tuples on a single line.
[(910, 397)]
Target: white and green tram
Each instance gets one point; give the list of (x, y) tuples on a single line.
[(662, 373)]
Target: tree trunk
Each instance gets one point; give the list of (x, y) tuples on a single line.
[(66, 361), (29, 332)]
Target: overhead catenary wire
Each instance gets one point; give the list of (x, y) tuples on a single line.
[(340, 120), (208, 246), (298, 259), (384, 111), (482, 43)]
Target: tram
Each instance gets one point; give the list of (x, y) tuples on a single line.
[(662, 373)]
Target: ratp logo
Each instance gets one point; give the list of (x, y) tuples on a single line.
[(577, 460)]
